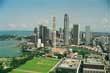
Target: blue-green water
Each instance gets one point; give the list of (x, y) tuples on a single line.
[(9, 48), (20, 33)]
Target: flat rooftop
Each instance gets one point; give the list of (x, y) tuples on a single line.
[(70, 63), (94, 59), (94, 63), (98, 70)]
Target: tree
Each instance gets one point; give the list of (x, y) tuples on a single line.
[(83, 53), (1, 68)]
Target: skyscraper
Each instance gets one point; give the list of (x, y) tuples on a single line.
[(61, 33), (75, 34), (66, 30), (35, 30), (60, 37), (87, 35), (43, 34), (35, 35), (54, 31)]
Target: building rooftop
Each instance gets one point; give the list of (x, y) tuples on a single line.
[(70, 63), (88, 69), (94, 63), (94, 59), (59, 50)]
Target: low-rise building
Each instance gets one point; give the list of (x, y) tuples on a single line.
[(93, 64), (69, 65), (59, 50)]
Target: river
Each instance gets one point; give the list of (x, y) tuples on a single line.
[(8, 48)]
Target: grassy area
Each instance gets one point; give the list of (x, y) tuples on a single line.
[(17, 71), (82, 51), (37, 65)]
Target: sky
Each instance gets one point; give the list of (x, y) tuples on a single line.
[(27, 14)]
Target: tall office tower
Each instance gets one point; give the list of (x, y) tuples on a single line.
[(61, 33), (35, 35), (48, 32), (48, 37), (43, 34), (35, 30), (66, 30), (75, 34), (88, 35), (54, 31), (60, 37)]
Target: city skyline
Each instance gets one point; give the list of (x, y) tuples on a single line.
[(27, 14)]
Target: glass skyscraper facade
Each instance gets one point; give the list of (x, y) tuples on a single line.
[(66, 30)]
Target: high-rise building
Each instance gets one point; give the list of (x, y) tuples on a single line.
[(54, 31), (50, 36), (35, 35), (35, 30), (82, 37), (75, 34), (61, 36), (43, 34), (61, 33), (66, 30), (87, 35)]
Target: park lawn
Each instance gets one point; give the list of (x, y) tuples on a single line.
[(83, 51), (40, 65), (17, 71)]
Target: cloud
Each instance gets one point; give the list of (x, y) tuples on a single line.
[(21, 26), (105, 21), (45, 22), (12, 26), (104, 25)]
